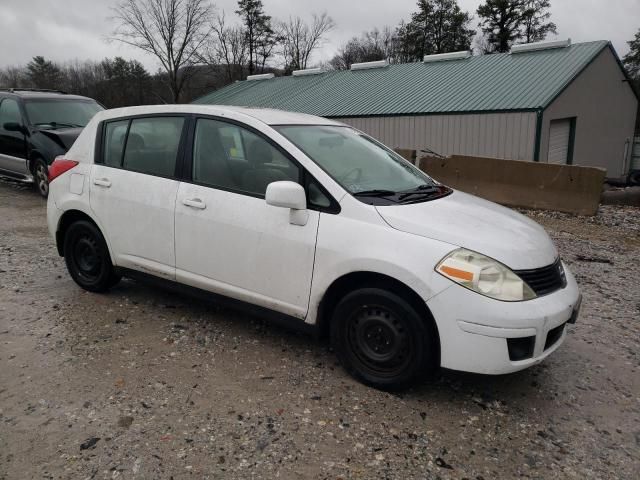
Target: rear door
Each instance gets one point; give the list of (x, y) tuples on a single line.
[(13, 145), (134, 188), (228, 240)]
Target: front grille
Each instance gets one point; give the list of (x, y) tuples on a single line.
[(553, 336), (544, 280)]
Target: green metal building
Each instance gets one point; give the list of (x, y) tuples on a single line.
[(549, 102)]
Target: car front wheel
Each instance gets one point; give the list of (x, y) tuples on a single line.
[(87, 257), (382, 340), (41, 177)]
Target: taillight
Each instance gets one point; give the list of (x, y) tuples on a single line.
[(59, 166)]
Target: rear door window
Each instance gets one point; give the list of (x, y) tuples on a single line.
[(145, 145)]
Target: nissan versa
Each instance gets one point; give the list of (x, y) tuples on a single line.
[(313, 221)]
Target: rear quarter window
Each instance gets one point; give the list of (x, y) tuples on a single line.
[(114, 137)]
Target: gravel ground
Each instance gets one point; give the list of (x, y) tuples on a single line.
[(143, 383)]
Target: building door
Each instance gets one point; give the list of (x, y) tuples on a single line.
[(561, 138)]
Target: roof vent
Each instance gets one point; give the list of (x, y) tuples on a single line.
[(264, 76), (308, 71), (368, 65), (441, 57), (534, 47)]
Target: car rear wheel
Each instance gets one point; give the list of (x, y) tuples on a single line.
[(87, 257), (41, 177), (382, 340)]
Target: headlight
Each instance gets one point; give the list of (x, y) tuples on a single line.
[(484, 275)]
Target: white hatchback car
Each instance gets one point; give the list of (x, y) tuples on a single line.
[(316, 222)]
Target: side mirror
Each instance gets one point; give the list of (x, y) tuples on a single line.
[(290, 195), (14, 127)]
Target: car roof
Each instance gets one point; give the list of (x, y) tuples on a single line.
[(269, 116)]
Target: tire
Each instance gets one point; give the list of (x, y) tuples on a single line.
[(87, 257), (381, 340), (634, 178), (40, 173)]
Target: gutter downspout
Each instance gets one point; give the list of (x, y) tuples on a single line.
[(536, 151)]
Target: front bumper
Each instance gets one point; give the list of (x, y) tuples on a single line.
[(474, 329)]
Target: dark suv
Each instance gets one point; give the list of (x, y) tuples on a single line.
[(35, 127)]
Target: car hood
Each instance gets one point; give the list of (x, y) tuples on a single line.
[(476, 224), (62, 136)]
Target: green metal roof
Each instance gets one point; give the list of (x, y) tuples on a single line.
[(521, 81)]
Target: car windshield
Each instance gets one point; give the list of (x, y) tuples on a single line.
[(61, 113), (357, 162)]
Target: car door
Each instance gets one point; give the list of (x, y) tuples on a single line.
[(13, 144), (228, 240), (133, 191)]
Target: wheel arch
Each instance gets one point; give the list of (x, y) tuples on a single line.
[(361, 279), (33, 156), (68, 218)]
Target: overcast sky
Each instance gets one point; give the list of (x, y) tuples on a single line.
[(64, 30)]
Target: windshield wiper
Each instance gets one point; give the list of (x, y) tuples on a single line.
[(420, 190), (58, 124), (375, 193)]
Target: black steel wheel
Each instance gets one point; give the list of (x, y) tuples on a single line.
[(41, 177), (87, 257), (381, 339)]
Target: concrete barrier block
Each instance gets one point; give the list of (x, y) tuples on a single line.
[(406, 153), (565, 188)]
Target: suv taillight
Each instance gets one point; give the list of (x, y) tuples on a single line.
[(59, 166)]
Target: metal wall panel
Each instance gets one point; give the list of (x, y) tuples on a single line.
[(604, 107), (498, 135)]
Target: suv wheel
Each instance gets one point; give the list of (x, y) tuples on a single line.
[(87, 257), (381, 339), (41, 177)]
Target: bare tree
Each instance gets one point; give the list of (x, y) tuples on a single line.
[(258, 31), (14, 76), (300, 39), (370, 46), (227, 48), (171, 30)]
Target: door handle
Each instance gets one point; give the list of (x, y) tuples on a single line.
[(194, 203), (103, 182)]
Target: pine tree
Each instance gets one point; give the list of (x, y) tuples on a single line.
[(260, 35), (44, 73), (632, 59), (501, 23), (439, 26), (535, 22), (505, 22)]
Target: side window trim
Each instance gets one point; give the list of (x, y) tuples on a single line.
[(304, 177), (124, 144)]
